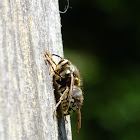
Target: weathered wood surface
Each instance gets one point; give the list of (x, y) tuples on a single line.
[(28, 28)]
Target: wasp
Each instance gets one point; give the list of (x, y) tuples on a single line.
[(67, 83)]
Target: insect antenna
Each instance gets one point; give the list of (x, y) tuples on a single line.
[(46, 60), (46, 54), (57, 56)]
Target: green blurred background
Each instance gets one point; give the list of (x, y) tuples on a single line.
[(102, 37)]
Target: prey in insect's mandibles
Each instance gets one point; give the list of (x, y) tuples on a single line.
[(67, 83)]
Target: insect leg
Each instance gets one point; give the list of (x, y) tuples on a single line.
[(46, 54), (46, 60), (57, 56), (65, 119), (79, 119), (70, 94), (60, 100)]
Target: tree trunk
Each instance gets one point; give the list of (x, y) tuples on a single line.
[(28, 28)]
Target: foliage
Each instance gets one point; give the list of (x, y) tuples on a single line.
[(102, 39)]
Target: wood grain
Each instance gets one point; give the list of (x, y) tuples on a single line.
[(28, 28)]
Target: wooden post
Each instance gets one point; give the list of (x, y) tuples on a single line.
[(28, 28)]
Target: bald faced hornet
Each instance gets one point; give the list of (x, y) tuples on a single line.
[(67, 83)]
